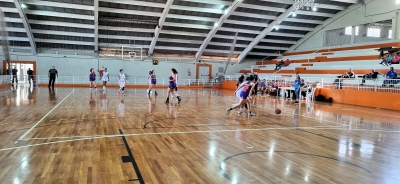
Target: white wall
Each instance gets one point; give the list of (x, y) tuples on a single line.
[(80, 66), (373, 11)]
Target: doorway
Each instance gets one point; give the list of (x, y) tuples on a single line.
[(22, 67), (203, 71)]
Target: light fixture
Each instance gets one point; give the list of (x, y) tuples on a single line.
[(397, 1), (314, 8), (276, 27), (226, 11), (299, 4), (23, 5), (294, 14), (216, 24)]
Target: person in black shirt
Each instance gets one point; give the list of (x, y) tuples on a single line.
[(30, 76), (256, 80), (14, 74), (373, 75), (52, 76)]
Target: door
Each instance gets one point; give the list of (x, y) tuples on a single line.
[(204, 72)]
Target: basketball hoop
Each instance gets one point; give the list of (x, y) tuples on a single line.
[(299, 4)]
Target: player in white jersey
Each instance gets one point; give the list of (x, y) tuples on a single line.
[(121, 82), (105, 78), (176, 89)]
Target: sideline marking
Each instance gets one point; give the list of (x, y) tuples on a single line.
[(27, 132)]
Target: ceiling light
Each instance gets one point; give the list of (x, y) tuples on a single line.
[(276, 27), (294, 15), (216, 24), (23, 6), (226, 11), (314, 8), (397, 1)]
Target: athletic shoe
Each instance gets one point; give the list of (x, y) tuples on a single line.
[(251, 114), (296, 102), (228, 110), (148, 92), (90, 89), (155, 93), (166, 101), (240, 111)]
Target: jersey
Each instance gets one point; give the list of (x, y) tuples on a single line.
[(92, 76), (105, 76)]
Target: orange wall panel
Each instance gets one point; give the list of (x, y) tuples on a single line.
[(229, 85)]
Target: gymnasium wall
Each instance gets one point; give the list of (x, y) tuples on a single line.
[(80, 66), (373, 11)]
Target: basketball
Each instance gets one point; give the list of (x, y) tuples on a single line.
[(277, 111)]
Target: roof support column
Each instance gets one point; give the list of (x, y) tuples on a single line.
[(265, 32), (217, 25), (159, 27), (27, 26), (96, 27)]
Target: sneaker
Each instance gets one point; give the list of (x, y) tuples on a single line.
[(166, 101), (240, 111), (179, 99), (228, 110), (251, 114), (148, 91), (296, 102), (155, 93), (90, 89)]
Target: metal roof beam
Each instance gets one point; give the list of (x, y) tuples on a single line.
[(14, 38), (64, 24), (347, 1), (64, 41), (127, 29), (183, 33), (64, 33), (314, 13), (278, 41), (271, 47), (15, 29), (179, 41), (96, 26), (285, 34), (238, 22), (11, 10), (60, 5), (296, 28), (59, 14), (194, 26), (239, 30), (216, 2), (129, 12), (253, 15), (304, 21), (189, 17), (26, 26), (9, 19), (265, 32), (122, 45), (197, 9), (159, 26), (137, 3), (119, 37), (318, 5), (231, 9), (262, 54)]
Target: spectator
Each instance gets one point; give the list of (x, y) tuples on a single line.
[(261, 86), (52, 76), (287, 63), (384, 61), (389, 57), (305, 86), (396, 58), (349, 74), (279, 65), (216, 77), (373, 75), (390, 75), (297, 88), (30, 76), (14, 72)]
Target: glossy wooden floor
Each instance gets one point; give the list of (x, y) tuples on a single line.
[(76, 136)]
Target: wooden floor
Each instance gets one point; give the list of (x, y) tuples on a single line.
[(77, 136)]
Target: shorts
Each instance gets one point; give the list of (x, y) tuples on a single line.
[(172, 86), (92, 80), (121, 84), (238, 95), (153, 82), (104, 79), (243, 95)]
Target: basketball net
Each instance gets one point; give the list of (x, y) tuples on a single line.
[(299, 4)]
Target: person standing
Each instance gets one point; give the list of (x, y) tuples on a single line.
[(14, 72), (121, 82), (172, 85), (297, 83), (30, 76), (92, 79), (105, 78), (152, 82), (53, 74)]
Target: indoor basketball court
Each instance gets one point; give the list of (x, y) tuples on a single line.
[(199, 91)]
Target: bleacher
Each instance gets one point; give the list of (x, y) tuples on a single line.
[(328, 64)]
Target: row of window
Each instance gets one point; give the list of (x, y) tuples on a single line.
[(371, 32)]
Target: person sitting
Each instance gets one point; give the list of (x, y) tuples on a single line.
[(389, 57), (396, 58), (384, 61), (349, 74), (390, 75), (261, 87), (287, 63), (279, 65), (373, 75)]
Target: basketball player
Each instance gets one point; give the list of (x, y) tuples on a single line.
[(176, 89), (121, 82), (172, 85), (30, 76), (152, 82), (92, 79), (245, 90), (105, 78)]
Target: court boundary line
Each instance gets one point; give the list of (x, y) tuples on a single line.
[(157, 133), (48, 113)]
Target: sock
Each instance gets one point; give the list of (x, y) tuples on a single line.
[(230, 108)]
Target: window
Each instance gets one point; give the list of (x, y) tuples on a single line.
[(390, 34), (347, 30), (374, 32)]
